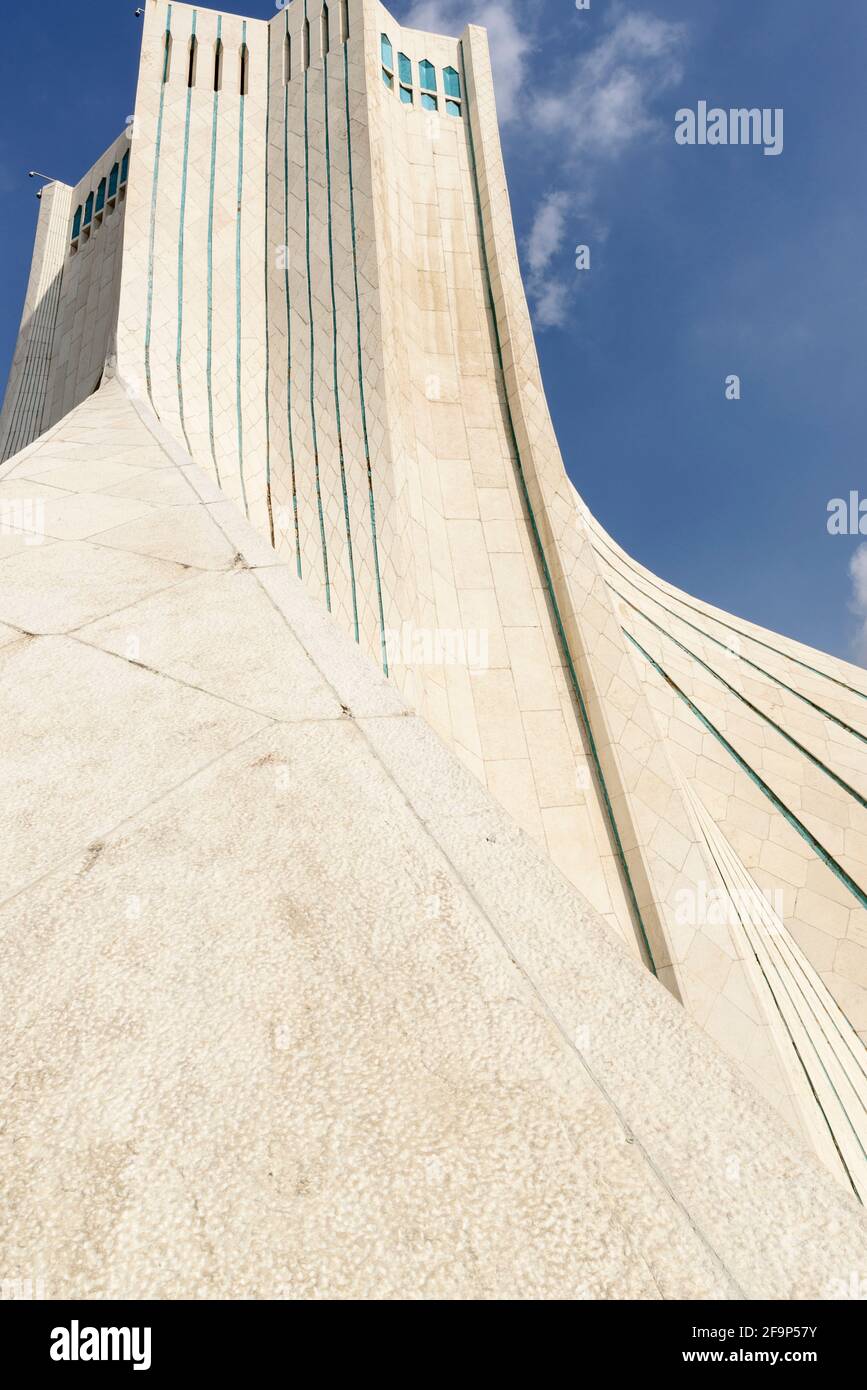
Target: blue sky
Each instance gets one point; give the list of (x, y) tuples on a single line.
[(705, 261)]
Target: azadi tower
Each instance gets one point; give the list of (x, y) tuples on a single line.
[(405, 893)]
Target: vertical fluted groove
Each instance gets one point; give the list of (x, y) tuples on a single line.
[(305, 60), (362, 404), (153, 217), (543, 560), (340, 455), (209, 359), (240, 190), (178, 355)]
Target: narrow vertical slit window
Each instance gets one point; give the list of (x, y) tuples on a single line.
[(100, 196), (167, 58), (191, 65), (88, 209), (112, 180), (124, 167), (344, 20), (404, 72), (218, 66), (452, 83), (427, 78), (287, 61), (245, 70), (76, 223), (387, 53), (324, 36), (306, 35)]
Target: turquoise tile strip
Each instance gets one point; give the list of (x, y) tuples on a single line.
[(819, 849), (240, 191), (179, 351), (336, 386), (780, 943), (153, 219), (784, 656), (797, 1051), (209, 357), (289, 312), (266, 262), (361, 400), (776, 680), (805, 752), (313, 339), (543, 561)]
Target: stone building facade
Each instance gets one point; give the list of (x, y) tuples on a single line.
[(300, 256)]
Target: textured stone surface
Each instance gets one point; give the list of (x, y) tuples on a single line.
[(293, 1009), (316, 289)]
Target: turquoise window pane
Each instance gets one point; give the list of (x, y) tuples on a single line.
[(428, 102), (388, 80), (406, 96), (88, 209), (427, 75), (100, 197), (387, 52), (451, 83), (404, 68), (76, 222), (112, 181), (453, 108), (124, 167)]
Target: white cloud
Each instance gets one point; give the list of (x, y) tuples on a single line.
[(609, 100), (578, 113), (858, 603), (546, 234), (588, 116), (548, 293), (508, 36)]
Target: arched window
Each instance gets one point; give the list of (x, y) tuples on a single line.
[(112, 180), (88, 209), (344, 20), (218, 66), (191, 66), (404, 72), (324, 36), (124, 167), (245, 69), (167, 58), (76, 223), (387, 53), (427, 76), (287, 61), (452, 89), (100, 196), (306, 39)]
